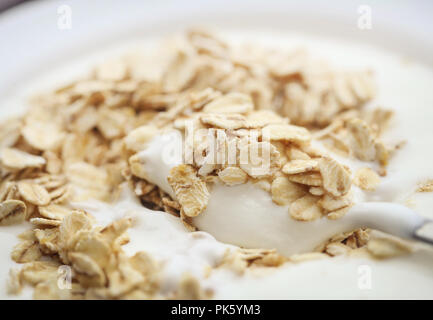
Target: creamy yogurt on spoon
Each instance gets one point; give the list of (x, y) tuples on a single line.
[(245, 215)]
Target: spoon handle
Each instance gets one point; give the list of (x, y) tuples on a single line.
[(424, 232)]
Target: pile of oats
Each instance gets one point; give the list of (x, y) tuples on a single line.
[(82, 141), (292, 99)]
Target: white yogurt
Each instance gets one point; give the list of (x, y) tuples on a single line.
[(161, 235), (405, 277)]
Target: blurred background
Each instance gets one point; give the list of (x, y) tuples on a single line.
[(6, 4), (398, 15), (40, 34)]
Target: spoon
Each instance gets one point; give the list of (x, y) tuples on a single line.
[(247, 217)]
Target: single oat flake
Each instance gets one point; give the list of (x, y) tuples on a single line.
[(17, 159), (305, 208), (299, 166), (366, 179), (11, 212), (34, 193), (230, 103), (336, 179), (233, 176), (285, 192), (190, 191)]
